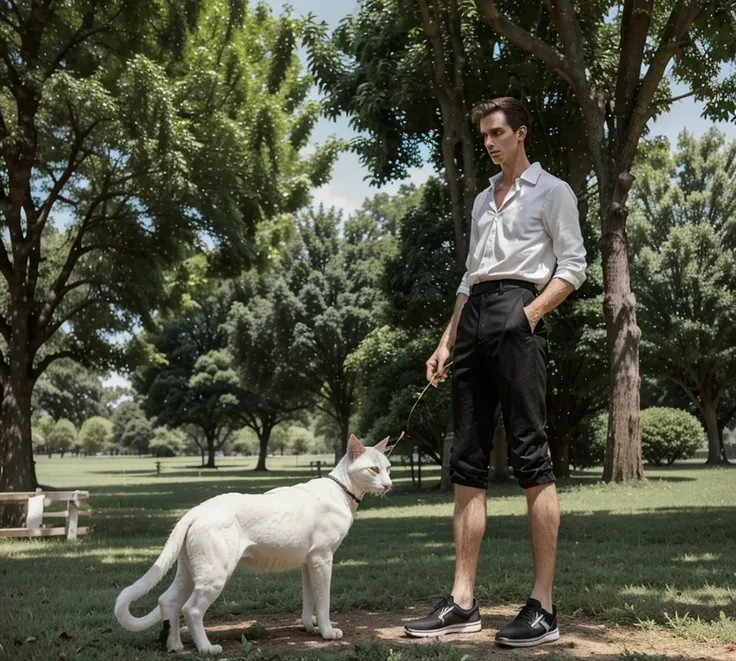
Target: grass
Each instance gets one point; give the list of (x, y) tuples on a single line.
[(660, 555)]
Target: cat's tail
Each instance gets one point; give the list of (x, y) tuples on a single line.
[(143, 585)]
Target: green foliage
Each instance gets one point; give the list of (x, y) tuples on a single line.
[(261, 334), (588, 442), (137, 435), (133, 133), (334, 298), (68, 390), (62, 436), (669, 435), (167, 442), (41, 427), (188, 378), (421, 278), (124, 414), (683, 230), (95, 435)]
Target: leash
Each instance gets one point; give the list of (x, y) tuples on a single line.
[(403, 433)]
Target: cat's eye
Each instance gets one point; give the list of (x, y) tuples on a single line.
[(375, 469)]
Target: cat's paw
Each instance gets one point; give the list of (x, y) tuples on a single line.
[(175, 647), (211, 649), (310, 623), (332, 634)]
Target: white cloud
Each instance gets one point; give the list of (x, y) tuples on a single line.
[(330, 197), (116, 380)]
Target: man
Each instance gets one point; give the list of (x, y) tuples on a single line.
[(525, 236)]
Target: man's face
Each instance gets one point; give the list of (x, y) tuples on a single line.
[(500, 140)]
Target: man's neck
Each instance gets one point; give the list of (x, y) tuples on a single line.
[(512, 171)]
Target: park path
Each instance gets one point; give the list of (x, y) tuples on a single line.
[(584, 639)]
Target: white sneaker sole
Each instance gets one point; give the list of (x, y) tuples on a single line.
[(468, 627), (530, 642)]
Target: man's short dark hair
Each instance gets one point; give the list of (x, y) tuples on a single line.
[(515, 111)]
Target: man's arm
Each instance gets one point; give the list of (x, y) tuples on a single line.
[(437, 361), (554, 293), (563, 225)]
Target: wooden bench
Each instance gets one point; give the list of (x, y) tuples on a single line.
[(36, 502)]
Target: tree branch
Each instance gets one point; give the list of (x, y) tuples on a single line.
[(54, 296), (564, 17), (51, 329), (570, 69), (680, 21), (84, 32), (635, 23), (527, 41), (674, 99), (51, 358)]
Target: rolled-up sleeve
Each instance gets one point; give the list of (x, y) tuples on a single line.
[(563, 224)]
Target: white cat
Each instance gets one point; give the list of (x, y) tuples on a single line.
[(298, 526)]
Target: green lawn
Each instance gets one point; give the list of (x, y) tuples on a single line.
[(660, 554)]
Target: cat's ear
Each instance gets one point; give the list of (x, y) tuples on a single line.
[(381, 447), (355, 447)]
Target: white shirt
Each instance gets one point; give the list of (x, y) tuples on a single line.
[(534, 236)]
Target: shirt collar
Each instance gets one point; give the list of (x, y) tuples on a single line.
[(530, 175)]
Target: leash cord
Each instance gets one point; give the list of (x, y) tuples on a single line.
[(403, 433)]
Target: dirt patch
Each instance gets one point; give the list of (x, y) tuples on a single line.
[(581, 638)]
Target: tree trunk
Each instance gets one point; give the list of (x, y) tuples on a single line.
[(17, 468), (342, 448), (716, 448), (263, 438), (210, 437), (201, 452), (458, 150), (623, 460), (500, 455)]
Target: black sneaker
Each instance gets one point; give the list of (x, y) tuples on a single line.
[(446, 617), (532, 626)]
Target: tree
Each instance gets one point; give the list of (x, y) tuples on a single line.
[(301, 441), (684, 231), (167, 442), (94, 436), (137, 435), (335, 295), (261, 335), (212, 400), (62, 436), (178, 377), (124, 413), (618, 79), (69, 390), (130, 132)]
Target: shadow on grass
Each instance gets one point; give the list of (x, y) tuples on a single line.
[(619, 566)]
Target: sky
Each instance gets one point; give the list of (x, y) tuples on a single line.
[(349, 186)]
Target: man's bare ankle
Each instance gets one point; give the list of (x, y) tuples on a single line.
[(545, 601), (465, 602)]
